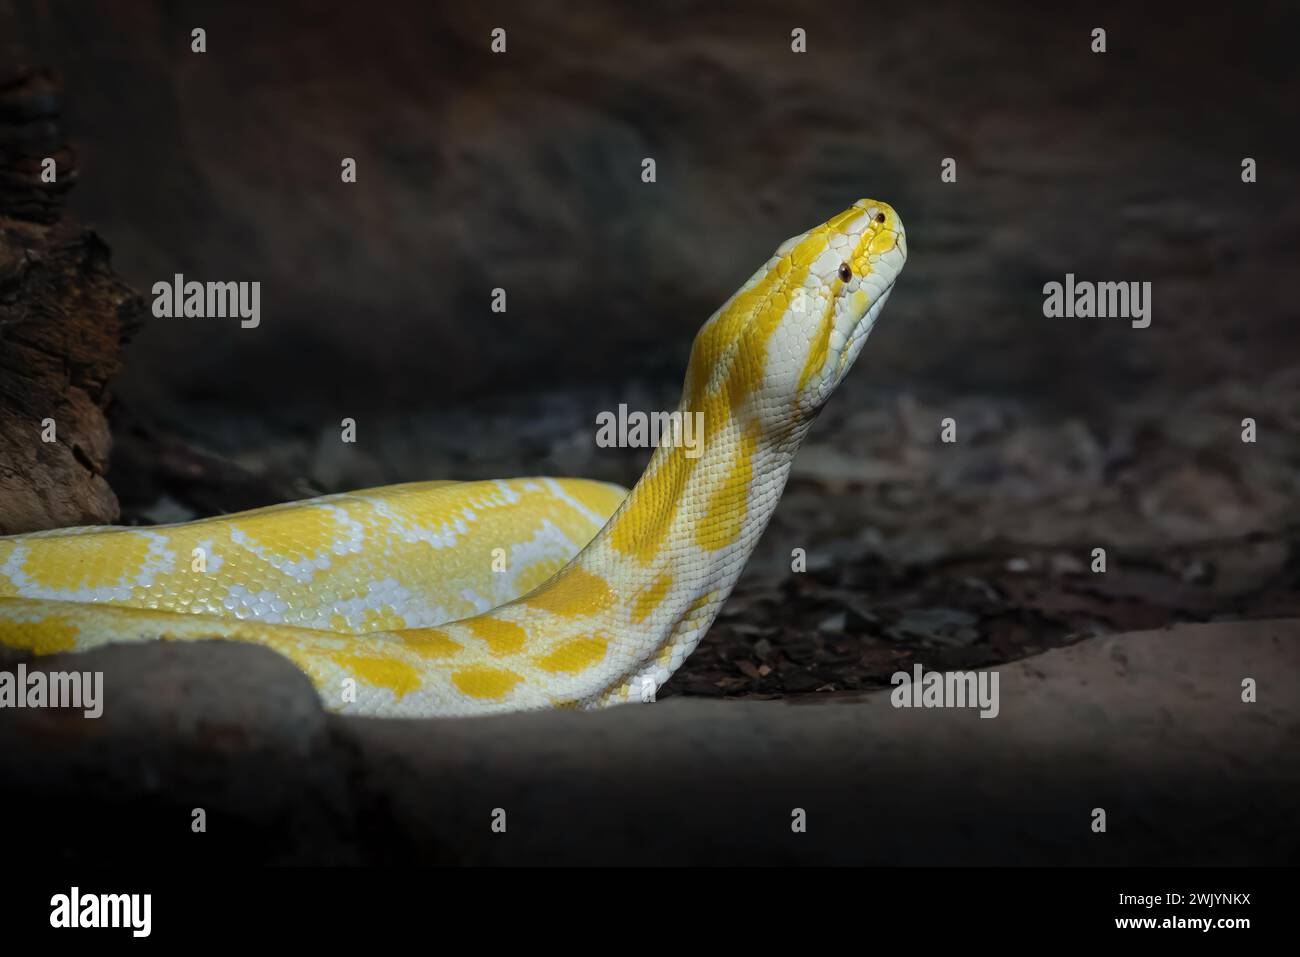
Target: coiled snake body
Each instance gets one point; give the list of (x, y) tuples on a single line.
[(457, 598)]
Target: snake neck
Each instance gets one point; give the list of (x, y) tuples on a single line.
[(654, 578)]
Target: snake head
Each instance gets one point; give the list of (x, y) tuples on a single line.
[(778, 348), (851, 263)]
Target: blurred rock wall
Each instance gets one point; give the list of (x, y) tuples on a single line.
[(522, 171)]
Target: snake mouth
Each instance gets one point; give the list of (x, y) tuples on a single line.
[(842, 352), (882, 254), (848, 349), (875, 274)]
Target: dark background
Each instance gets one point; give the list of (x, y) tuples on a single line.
[(523, 171)]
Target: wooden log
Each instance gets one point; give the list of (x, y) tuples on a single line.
[(64, 315)]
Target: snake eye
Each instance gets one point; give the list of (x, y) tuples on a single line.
[(845, 272), (880, 217)]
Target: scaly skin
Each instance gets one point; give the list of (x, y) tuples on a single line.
[(388, 599)]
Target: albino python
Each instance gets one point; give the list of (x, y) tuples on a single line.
[(459, 598)]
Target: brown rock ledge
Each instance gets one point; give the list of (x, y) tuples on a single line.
[(1148, 725)]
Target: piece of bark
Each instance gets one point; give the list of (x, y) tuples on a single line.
[(63, 317)]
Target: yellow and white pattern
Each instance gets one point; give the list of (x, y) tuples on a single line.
[(458, 598)]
